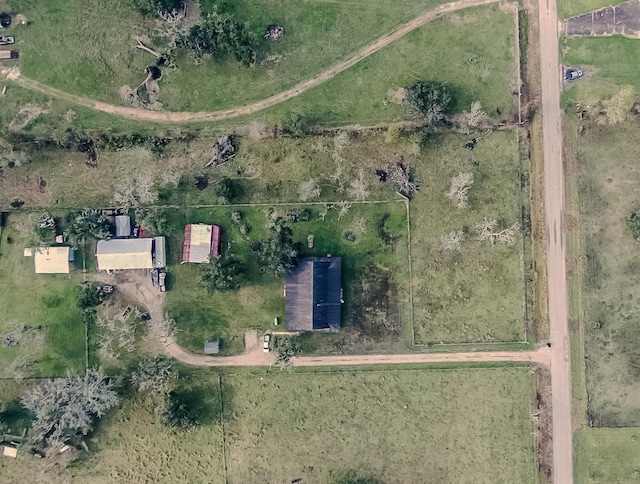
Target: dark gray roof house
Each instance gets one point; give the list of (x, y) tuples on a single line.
[(313, 295)]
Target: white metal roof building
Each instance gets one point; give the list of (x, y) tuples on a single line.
[(123, 226), (123, 254), (52, 260)]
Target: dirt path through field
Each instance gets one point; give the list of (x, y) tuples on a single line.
[(176, 117)]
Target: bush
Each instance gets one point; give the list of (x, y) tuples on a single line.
[(222, 273), (155, 7), (87, 223), (633, 222), (220, 34), (429, 100)]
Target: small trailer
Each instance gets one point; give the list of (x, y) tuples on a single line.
[(9, 54), (7, 39)]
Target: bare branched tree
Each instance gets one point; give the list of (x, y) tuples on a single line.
[(342, 208), (135, 193), (618, 109), (452, 241), (403, 177), (474, 117), (488, 229), (359, 225), (66, 407), (459, 191), (308, 189), (117, 333), (152, 374), (172, 27), (358, 187), (323, 213)]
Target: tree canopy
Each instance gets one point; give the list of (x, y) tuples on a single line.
[(67, 406), (277, 253), (87, 223), (222, 273), (220, 34), (429, 100)]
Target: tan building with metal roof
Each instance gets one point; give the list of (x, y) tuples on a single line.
[(124, 254)]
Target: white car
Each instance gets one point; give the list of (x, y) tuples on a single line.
[(266, 339)]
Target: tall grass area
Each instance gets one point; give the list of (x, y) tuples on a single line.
[(91, 52), (201, 316), (48, 301), (475, 294), (607, 455), (609, 178), (608, 65), (389, 426)]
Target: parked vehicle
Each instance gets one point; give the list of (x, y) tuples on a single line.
[(162, 277), (155, 279), (572, 74), (7, 39), (9, 54), (266, 339)]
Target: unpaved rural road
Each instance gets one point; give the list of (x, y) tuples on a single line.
[(554, 210), (254, 356), (175, 117)]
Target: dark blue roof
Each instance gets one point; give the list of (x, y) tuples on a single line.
[(313, 290)]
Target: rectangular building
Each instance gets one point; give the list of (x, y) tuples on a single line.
[(200, 242), (52, 260), (313, 295), (124, 254)]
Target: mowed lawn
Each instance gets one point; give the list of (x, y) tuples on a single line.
[(45, 303), (201, 316), (476, 294), (609, 178), (463, 426), (607, 63), (607, 456), (91, 51)]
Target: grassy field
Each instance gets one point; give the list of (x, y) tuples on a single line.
[(46, 300), (200, 316), (570, 8), (321, 33), (282, 427), (607, 455), (96, 55), (608, 179), (478, 65), (276, 428), (455, 292), (605, 61)]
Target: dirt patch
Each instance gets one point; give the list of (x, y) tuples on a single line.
[(375, 311), (27, 113), (255, 130), (623, 19), (397, 96), (543, 421)]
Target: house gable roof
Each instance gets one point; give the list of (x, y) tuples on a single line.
[(313, 292)]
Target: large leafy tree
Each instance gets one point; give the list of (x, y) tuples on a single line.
[(220, 34), (429, 100), (87, 223), (66, 407), (222, 273), (277, 253)]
